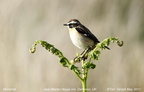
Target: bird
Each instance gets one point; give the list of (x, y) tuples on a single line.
[(81, 36)]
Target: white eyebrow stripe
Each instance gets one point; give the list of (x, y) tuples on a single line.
[(72, 22)]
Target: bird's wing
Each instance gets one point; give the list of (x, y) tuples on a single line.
[(85, 32)]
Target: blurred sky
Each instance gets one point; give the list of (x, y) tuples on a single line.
[(24, 21)]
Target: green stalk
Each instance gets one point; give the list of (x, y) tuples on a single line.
[(84, 85), (84, 77), (77, 75)]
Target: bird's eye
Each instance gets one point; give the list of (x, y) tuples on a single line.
[(73, 25), (70, 25)]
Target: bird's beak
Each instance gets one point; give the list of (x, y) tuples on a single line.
[(65, 24)]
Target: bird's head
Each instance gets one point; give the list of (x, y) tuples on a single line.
[(73, 23)]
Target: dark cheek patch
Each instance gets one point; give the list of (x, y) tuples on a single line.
[(72, 25)]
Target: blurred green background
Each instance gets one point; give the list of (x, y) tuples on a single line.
[(24, 21)]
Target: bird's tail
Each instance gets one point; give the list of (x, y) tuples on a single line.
[(107, 47)]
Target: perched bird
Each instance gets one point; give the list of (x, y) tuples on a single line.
[(81, 36)]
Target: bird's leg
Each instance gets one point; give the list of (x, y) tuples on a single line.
[(82, 55), (77, 59), (84, 52)]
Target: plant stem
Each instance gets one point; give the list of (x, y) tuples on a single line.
[(84, 85), (78, 76), (84, 77)]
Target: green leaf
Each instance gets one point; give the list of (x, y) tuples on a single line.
[(88, 65), (73, 67), (120, 43), (32, 50), (95, 54), (63, 61)]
